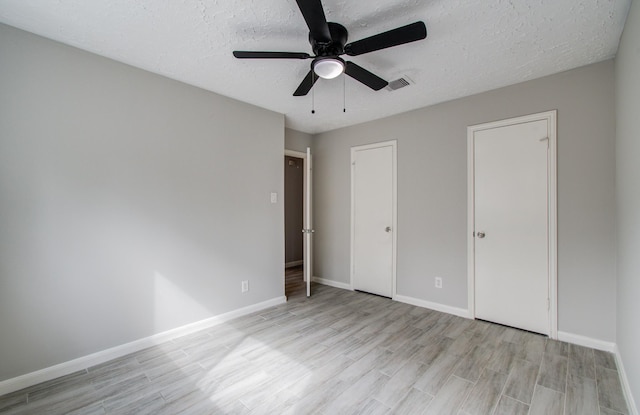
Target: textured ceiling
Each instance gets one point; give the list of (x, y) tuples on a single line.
[(472, 46)]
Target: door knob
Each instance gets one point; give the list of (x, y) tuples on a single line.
[(387, 229), (481, 235)]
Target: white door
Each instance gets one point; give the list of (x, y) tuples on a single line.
[(308, 225), (512, 241), (373, 218)]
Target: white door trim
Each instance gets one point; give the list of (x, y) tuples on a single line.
[(293, 153), (551, 118), (394, 220), (308, 220)]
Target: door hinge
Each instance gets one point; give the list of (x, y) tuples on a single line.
[(547, 140), (548, 304)]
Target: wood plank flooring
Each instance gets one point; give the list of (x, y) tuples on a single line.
[(294, 281), (340, 352)]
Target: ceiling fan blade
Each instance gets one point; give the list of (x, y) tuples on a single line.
[(313, 14), (242, 54), (306, 84), (362, 75), (405, 34)]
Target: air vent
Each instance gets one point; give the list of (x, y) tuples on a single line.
[(397, 84)]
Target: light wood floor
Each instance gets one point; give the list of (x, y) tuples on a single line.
[(341, 352), (293, 282)]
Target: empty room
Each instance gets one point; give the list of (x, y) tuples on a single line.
[(319, 207)]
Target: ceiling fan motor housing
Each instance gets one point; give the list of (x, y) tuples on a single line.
[(339, 36)]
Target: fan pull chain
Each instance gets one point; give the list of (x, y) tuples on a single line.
[(344, 93), (313, 93)]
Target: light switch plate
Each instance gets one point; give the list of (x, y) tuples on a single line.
[(274, 197)]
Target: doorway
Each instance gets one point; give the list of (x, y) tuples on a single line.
[(293, 223), (298, 221), (512, 222), (373, 218)]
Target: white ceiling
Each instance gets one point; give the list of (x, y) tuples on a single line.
[(472, 46)]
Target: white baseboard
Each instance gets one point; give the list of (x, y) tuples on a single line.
[(607, 347), (626, 388), (587, 341), (293, 264), (461, 312), (332, 283), (62, 369), (403, 299)]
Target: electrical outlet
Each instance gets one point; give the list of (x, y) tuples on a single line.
[(245, 286), (438, 282)]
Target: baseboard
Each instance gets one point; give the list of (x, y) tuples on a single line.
[(607, 347), (626, 388), (587, 341), (332, 283), (293, 264), (403, 299), (62, 369), (461, 312)]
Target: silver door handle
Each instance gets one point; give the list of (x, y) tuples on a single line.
[(481, 235), (387, 229)]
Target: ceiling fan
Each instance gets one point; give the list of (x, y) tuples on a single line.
[(329, 41)]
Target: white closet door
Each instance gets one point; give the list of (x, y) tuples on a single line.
[(373, 207), (511, 225)]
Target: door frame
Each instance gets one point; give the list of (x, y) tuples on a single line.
[(303, 156), (552, 222), (394, 209)]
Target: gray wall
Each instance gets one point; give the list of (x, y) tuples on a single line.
[(432, 193), (628, 197), (296, 140), (130, 204)]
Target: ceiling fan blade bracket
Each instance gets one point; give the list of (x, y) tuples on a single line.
[(339, 36)]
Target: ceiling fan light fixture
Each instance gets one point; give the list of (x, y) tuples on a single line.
[(328, 68)]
